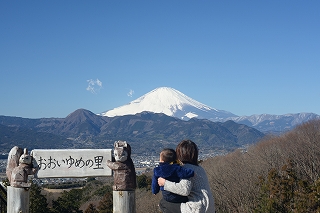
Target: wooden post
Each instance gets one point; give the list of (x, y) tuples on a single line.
[(124, 202), (18, 200)]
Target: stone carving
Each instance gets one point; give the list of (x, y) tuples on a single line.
[(123, 168), (19, 166)]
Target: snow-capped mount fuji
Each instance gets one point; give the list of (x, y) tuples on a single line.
[(172, 103), (176, 104)]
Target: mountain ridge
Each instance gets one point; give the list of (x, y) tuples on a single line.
[(145, 131), (275, 123), (176, 104)]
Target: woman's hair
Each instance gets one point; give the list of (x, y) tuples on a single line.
[(187, 152), (168, 155)]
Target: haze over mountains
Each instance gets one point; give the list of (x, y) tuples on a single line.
[(176, 104)]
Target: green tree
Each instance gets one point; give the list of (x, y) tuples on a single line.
[(315, 195), (68, 202), (103, 190), (143, 181), (283, 191), (269, 197), (91, 209), (277, 192), (38, 202), (106, 204), (308, 197)]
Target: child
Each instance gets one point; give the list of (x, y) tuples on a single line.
[(170, 170)]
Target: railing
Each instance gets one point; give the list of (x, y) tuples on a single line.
[(3, 199)]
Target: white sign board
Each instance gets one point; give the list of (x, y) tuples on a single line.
[(54, 163)]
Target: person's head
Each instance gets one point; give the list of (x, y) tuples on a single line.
[(168, 155), (187, 152)]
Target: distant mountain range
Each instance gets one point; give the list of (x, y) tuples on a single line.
[(275, 124), (160, 118), (176, 104), (146, 132)]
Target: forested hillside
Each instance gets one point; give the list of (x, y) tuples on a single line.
[(280, 174)]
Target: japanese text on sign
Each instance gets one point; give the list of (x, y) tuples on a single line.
[(52, 163), (72, 162)]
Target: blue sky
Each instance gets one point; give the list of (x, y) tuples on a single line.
[(245, 57)]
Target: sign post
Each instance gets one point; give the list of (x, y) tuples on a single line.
[(50, 163)]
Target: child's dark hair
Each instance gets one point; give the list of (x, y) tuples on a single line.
[(168, 155)]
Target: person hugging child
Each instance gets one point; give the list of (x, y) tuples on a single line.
[(171, 170)]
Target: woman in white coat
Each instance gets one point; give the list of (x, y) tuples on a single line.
[(197, 188)]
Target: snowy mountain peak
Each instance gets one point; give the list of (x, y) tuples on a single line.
[(166, 99), (170, 102), (176, 104)]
